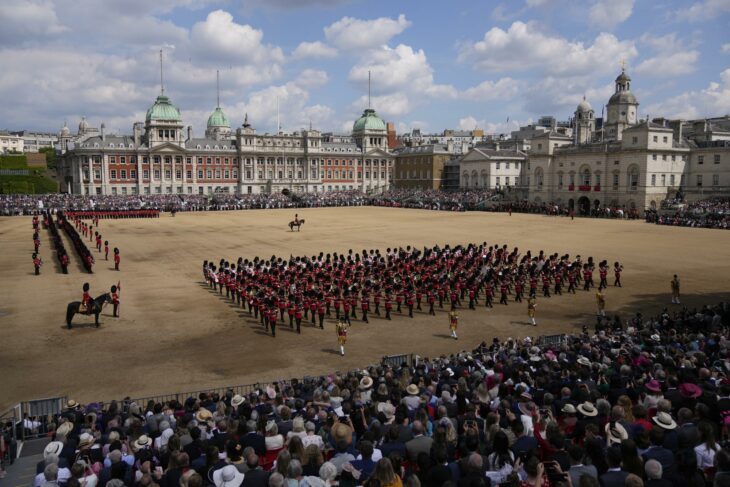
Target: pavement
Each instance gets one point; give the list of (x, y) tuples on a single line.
[(22, 472)]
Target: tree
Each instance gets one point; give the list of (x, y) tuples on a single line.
[(50, 153)]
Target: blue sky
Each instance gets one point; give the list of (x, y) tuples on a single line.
[(435, 65)]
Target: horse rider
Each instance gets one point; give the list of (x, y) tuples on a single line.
[(86, 299), (296, 219)]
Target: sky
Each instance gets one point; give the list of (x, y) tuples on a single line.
[(457, 64)]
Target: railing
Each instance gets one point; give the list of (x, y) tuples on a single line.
[(571, 187), (597, 187), (584, 187)]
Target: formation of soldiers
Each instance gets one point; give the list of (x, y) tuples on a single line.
[(399, 281)]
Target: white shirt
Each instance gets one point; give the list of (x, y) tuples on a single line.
[(63, 475), (313, 440), (705, 455)]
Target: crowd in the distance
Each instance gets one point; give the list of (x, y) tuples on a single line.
[(638, 402), (704, 213)]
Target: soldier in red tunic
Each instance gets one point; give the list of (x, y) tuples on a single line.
[(364, 306), (86, 299), (617, 269), (376, 299), (472, 296), (431, 300), (106, 249), (388, 305), (518, 290), (36, 242), (115, 300), (503, 292), (409, 303), (603, 274), (291, 311), (37, 263), (117, 259), (298, 317)]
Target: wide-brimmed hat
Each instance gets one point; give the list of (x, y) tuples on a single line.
[(665, 421), (382, 390), (142, 442), (227, 476), (587, 409), (237, 400), (71, 404), (387, 409), (270, 392), (616, 433), (584, 361), (690, 390), (64, 428), (366, 383), (85, 440), (341, 432), (203, 415), (53, 448), (653, 386), (527, 408), (412, 389), (568, 409), (655, 337)]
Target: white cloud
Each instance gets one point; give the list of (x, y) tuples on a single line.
[(470, 123), (553, 95), (399, 68), (703, 10), (315, 49), (607, 14), (351, 33), (726, 48), (25, 21), (312, 78), (524, 47), (711, 101), (669, 64), (504, 88), (673, 58), (393, 105), (220, 39)]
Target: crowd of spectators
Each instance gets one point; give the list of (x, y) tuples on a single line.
[(638, 402), (705, 213)]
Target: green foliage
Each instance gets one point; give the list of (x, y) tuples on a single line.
[(50, 153), (10, 161), (35, 184)]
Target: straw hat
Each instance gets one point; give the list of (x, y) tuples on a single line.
[(366, 383), (71, 404), (237, 400), (568, 409), (616, 433), (228, 476), (412, 390), (85, 440), (341, 432), (387, 409), (203, 415), (64, 428), (584, 361), (142, 442), (53, 448), (587, 409), (665, 421)]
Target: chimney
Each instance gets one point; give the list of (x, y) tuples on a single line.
[(103, 134), (137, 133), (190, 132)]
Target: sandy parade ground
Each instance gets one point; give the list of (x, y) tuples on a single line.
[(174, 334)]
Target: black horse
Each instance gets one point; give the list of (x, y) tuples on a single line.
[(97, 305), (298, 224)]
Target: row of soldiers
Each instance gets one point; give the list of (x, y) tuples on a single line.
[(397, 281)]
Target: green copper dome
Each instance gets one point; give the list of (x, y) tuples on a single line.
[(218, 119), (163, 110), (369, 121)]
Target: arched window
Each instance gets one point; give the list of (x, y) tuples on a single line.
[(474, 179), (586, 177), (632, 177), (538, 178), (465, 179)]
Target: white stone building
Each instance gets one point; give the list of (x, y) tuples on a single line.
[(488, 168)]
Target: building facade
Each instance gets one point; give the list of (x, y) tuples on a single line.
[(162, 156), (10, 142), (491, 169), (420, 167), (627, 162)]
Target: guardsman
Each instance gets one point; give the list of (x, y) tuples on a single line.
[(106, 249), (37, 263), (291, 311), (341, 329), (603, 273), (419, 297), (489, 294), (338, 304), (64, 262), (86, 299), (272, 320), (36, 242), (117, 258), (298, 316), (398, 300), (365, 306), (388, 305), (587, 277), (558, 284), (321, 311), (472, 296), (531, 305), (518, 290), (675, 289), (409, 302), (115, 298), (376, 299), (617, 269), (503, 292), (431, 300), (453, 323)]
